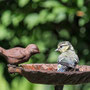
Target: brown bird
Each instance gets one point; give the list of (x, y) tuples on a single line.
[(19, 55)]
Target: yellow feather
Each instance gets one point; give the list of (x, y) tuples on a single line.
[(65, 48)]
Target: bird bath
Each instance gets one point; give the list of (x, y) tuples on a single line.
[(47, 74)]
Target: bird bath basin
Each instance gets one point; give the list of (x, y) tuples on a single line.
[(47, 74)]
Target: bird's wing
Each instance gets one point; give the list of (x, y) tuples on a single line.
[(15, 53), (67, 61), (76, 59)]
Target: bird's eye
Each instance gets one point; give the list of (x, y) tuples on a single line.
[(61, 46)]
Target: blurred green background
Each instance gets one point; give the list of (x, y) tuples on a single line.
[(45, 23)]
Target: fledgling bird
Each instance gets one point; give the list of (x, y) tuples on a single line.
[(19, 55), (68, 59)]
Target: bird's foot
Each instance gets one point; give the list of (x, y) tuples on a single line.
[(73, 69), (11, 65), (76, 69)]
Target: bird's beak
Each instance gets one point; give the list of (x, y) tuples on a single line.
[(36, 51), (57, 50)]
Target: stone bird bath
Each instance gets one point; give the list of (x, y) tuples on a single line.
[(47, 74)]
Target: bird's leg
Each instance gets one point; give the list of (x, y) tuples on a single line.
[(76, 69), (72, 69), (12, 65)]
